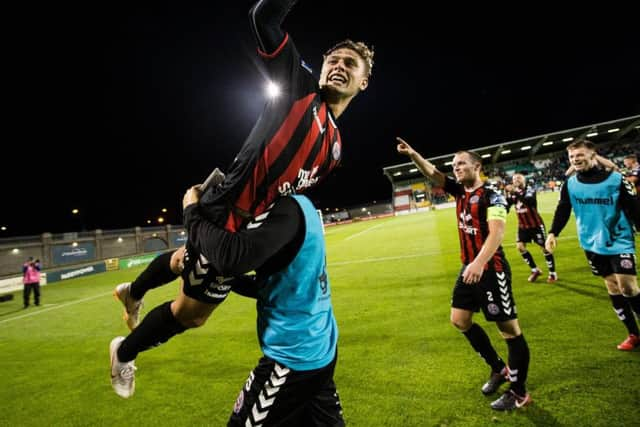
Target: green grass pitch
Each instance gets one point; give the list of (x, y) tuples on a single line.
[(400, 361)]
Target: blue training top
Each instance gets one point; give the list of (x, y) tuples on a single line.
[(296, 325), (602, 226)]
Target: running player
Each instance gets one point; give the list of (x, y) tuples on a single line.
[(606, 206), (530, 226), (633, 168), (484, 281)]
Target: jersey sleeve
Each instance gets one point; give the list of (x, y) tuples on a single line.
[(238, 253), (630, 202), (282, 61), (265, 18), (563, 211), (496, 206), (452, 187), (529, 198)]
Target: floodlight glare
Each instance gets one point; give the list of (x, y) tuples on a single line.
[(273, 90)]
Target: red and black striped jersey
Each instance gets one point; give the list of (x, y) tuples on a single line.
[(526, 205), (473, 227), (293, 146), (635, 172)]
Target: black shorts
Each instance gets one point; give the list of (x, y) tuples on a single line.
[(492, 294), (201, 281), (605, 265), (277, 396), (537, 235)]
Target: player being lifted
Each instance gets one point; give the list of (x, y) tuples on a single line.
[(530, 226), (484, 281), (294, 145)]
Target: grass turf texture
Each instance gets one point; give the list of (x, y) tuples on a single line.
[(400, 361)]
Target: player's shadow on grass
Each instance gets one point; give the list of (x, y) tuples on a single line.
[(584, 289), (11, 312), (540, 417)]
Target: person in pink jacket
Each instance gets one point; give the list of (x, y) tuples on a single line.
[(31, 280)]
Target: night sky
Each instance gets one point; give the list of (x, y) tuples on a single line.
[(117, 112)]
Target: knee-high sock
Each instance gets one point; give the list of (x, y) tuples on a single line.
[(518, 364), (634, 302), (622, 306), (156, 328), (551, 263), (526, 256), (157, 273), (481, 343)]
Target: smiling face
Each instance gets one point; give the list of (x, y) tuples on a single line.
[(466, 169), (581, 158), (518, 180), (344, 73), (630, 162)]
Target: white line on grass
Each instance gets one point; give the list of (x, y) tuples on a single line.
[(33, 313), (392, 258), (366, 230), (356, 261)]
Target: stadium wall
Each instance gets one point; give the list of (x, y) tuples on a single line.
[(69, 250)]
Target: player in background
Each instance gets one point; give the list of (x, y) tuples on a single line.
[(293, 146), (530, 226), (605, 205), (484, 281), (633, 170)]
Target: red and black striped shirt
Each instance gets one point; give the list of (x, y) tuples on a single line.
[(526, 207), (471, 214), (293, 146)]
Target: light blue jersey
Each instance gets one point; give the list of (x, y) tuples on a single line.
[(296, 325), (602, 226)]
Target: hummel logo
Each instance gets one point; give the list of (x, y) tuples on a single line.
[(281, 370), (258, 416), (264, 402)]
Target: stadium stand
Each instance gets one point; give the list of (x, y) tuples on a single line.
[(541, 158)]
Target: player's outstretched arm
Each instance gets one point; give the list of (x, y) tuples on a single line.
[(265, 18), (426, 167)]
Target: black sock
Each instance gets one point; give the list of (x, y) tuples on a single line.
[(518, 364), (482, 344), (156, 328), (157, 273), (622, 307), (634, 302), (528, 259), (551, 263)]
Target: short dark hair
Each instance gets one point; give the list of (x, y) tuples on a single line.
[(474, 156), (365, 52), (582, 143)]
